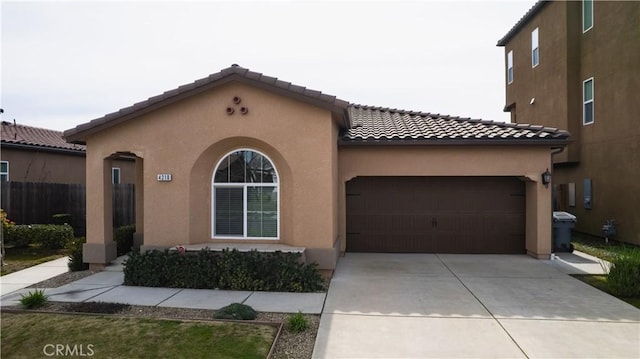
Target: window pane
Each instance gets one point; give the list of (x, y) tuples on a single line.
[(262, 212), (588, 112), (4, 178), (236, 167), (535, 57), (510, 67), (222, 173), (254, 167), (229, 211), (587, 14), (588, 90), (4, 167), (268, 172)]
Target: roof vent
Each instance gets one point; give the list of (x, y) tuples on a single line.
[(234, 65)]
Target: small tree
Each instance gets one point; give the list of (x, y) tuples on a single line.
[(6, 224)]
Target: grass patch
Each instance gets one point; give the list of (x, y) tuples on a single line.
[(25, 335), (598, 248), (600, 282), (19, 258)]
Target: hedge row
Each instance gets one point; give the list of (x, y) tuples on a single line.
[(51, 236), (229, 269)]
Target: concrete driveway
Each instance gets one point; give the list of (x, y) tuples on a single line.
[(469, 306)]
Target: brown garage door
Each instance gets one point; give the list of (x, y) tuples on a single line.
[(436, 214)]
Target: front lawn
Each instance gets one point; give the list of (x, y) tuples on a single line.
[(19, 258), (614, 252), (600, 282), (32, 335), (598, 248)]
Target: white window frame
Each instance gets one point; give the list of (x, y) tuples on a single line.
[(535, 48), (7, 171), (591, 3), (510, 67), (591, 101), (115, 170), (244, 185)]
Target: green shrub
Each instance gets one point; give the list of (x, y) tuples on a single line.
[(18, 236), (123, 236), (624, 275), (297, 323), (236, 311), (62, 218), (74, 249), (49, 236), (229, 269), (34, 299)]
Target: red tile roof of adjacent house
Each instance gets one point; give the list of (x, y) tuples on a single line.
[(378, 126), (21, 136)]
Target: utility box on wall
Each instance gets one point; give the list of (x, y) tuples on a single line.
[(588, 198)]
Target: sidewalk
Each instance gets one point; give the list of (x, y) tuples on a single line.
[(107, 287), (15, 281)]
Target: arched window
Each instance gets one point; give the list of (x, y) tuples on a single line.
[(245, 197)]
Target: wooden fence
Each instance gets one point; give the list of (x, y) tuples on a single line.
[(29, 203)]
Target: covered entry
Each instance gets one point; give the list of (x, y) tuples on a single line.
[(435, 214)]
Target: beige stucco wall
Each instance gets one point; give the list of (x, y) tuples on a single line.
[(45, 167), (188, 138), (54, 167), (526, 163)]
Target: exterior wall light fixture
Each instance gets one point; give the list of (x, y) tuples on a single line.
[(546, 178)]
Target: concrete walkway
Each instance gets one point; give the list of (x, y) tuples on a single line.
[(472, 306), (15, 281), (107, 287)]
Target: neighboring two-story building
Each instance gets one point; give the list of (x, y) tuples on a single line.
[(575, 65)]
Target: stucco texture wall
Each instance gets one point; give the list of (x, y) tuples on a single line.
[(188, 138), (44, 167)]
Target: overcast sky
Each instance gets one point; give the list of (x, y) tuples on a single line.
[(66, 63)]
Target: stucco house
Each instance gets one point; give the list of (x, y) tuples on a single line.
[(241, 158), (41, 155)]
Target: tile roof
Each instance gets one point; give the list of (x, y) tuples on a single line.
[(361, 124), (16, 135), (523, 21), (377, 125), (228, 74)]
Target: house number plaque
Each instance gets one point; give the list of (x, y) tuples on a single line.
[(164, 177)]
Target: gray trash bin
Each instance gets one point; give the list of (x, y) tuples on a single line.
[(563, 222)]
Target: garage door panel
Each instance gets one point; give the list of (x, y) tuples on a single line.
[(436, 214)]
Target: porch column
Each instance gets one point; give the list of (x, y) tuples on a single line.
[(100, 248), (138, 237), (539, 220)]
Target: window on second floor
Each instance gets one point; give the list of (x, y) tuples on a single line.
[(4, 171), (115, 175), (587, 15), (587, 102), (510, 67), (535, 50)]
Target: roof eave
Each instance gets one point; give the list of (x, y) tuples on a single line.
[(28, 147), (79, 134), (456, 142), (522, 22)]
